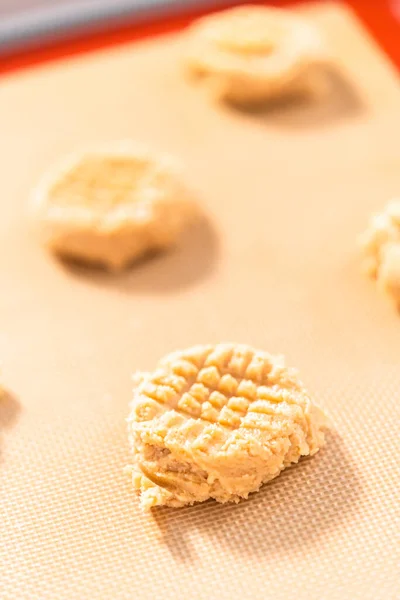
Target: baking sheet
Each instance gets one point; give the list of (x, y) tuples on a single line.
[(40, 22), (273, 264)]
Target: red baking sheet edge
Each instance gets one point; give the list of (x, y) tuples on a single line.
[(376, 15)]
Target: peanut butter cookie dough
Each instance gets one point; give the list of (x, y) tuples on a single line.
[(218, 422), (111, 204), (252, 54), (380, 245)]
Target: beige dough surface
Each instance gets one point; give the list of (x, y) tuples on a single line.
[(218, 422), (111, 204), (380, 246), (252, 54)]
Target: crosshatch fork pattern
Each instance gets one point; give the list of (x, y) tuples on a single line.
[(224, 444), (100, 183), (222, 384)]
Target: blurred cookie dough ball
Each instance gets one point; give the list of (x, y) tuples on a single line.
[(380, 246), (253, 54), (111, 204)]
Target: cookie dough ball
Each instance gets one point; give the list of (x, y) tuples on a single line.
[(218, 422), (110, 205), (253, 54), (380, 245)]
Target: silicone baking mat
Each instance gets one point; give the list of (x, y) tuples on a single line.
[(273, 263)]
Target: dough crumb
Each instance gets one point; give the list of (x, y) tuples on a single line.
[(111, 204), (217, 422), (380, 246), (252, 54)]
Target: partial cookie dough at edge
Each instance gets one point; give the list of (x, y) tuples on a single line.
[(380, 249)]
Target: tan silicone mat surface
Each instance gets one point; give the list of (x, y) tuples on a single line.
[(273, 264)]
